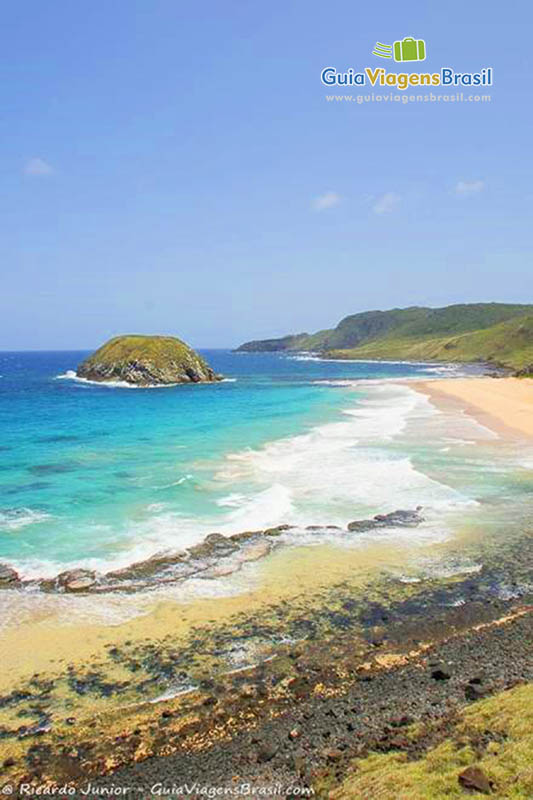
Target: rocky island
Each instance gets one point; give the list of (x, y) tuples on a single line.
[(146, 361)]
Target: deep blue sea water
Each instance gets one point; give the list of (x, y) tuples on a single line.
[(102, 476)]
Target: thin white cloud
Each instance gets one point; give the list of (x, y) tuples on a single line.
[(38, 167), (386, 203), (326, 200), (469, 187)]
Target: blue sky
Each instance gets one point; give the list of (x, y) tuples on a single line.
[(174, 167)]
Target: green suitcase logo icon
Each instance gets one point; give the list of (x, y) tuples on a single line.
[(410, 49)]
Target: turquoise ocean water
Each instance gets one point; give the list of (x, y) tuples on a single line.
[(104, 476)]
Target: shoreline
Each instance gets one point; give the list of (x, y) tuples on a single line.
[(288, 574), (503, 404), (440, 390), (310, 637), (328, 717), (214, 562), (320, 700)]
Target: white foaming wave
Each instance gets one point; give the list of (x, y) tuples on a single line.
[(304, 357), (233, 500), (162, 533), (310, 357), (244, 511), (23, 606), (261, 510), (458, 441), (19, 607), (12, 519), (178, 482), (455, 370), (334, 470), (70, 375), (452, 369), (386, 414), (156, 507), (404, 362), (372, 419), (363, 383), (330, 475), (338, 382)]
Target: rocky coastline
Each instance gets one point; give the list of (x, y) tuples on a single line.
[(390, 673), (330, 717), (216, 556)]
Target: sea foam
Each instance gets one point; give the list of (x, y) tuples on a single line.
[(12, 519), (70, 375), (331, 474)]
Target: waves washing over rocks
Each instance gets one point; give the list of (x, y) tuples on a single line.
[(317, 481), (308, 447)]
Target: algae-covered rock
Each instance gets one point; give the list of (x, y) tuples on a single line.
[(396, 519), (77, 580), (213, 546), (8, 576), (146, 361)]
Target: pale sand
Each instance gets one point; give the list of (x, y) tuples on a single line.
[(47, 644), (498, 402)]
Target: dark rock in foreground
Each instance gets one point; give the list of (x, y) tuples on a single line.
[(146, 361), (474, 780), (441, 672)]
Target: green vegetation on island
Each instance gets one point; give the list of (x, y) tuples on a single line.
[(146, 361), (500, 333)]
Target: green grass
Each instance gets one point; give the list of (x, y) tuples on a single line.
[(498, 332), (146, 360), (122, 349), (508, 343), (494, 734)]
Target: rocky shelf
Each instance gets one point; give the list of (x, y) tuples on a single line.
[(215, 557)]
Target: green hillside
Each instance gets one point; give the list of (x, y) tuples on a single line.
[(498, 332), (509, 344)]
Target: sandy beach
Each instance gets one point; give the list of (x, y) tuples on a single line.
[(304, 649), (496, 402)]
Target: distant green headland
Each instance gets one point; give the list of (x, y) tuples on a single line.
[(146, 361), (499, 333)]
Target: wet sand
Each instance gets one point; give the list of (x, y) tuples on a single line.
[(328, 614), (52, 638), (325, 695)]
